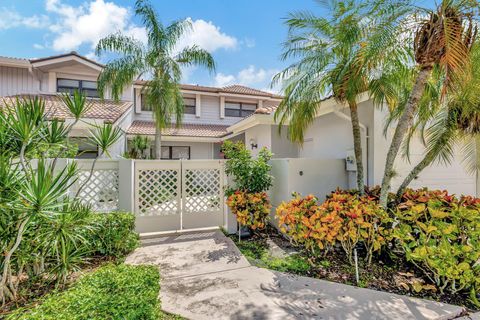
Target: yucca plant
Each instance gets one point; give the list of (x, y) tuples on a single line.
[(103, 137), (139, 145), (157, 59)]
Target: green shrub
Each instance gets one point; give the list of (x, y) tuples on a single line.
[(440, 234), (114, 234), (111, 292)]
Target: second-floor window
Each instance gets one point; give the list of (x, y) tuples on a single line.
[(239, 109), (89, 88), (144, 105), (189, 105)]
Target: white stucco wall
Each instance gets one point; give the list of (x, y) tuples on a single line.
[(305, 176), (262, 135)]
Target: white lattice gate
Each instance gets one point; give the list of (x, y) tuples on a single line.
[(178, 194)]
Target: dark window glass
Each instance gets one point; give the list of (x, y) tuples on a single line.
[(189, 105), (89, 88), (144, 105), (239, 109), (86, 150), (175, 152)]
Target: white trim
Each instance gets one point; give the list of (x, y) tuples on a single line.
[(52, 61), (12, 62), (327, 106), (222, 107), (182, 138), (224, 94), (198, 105)]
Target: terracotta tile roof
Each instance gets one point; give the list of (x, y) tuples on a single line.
[(235, 89), (185, 130), (107, 110), (248, 91)]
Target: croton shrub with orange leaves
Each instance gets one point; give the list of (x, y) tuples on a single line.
[(251, 209), (343, 218)]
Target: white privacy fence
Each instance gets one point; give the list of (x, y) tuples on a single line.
[(171, 195), (164, 195)]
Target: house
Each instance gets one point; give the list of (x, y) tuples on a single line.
[(213, 115)]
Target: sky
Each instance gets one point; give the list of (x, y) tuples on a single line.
[(244, 36)]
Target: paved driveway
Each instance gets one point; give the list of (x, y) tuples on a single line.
[(204, 276)]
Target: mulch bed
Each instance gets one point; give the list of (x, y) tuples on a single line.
[(387, 272)]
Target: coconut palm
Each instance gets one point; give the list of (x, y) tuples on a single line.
[(157, 59), (442, 38), (456, 122), (335, 57)]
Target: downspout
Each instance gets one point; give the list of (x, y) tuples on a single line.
[(367, 138)]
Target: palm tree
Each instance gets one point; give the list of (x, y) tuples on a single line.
[(158, 59), (456, 123), (336, 57), (442, 38)]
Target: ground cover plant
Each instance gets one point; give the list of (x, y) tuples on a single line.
[(110, 292)]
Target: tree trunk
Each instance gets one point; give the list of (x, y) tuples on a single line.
[(357, 145), (158, 143), (425, 162), (403, 124)]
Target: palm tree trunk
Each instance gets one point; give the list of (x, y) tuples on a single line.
[(425, 162), (158, 143), (357, 146), (403, 124)]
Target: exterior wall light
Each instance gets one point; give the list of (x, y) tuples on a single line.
[(253, 144)]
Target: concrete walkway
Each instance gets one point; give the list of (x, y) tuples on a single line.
[(204, 276)]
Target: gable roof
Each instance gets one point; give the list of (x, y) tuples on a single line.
[(233, 89), (107, 110), (72, 53)]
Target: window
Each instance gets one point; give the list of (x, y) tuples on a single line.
[(144, 106), (89, 88), (175, 153), (239, 109), (189, 105), (85, 149)]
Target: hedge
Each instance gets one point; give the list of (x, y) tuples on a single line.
[(114, 234)]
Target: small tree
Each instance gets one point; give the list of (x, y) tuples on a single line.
[(247, 197)]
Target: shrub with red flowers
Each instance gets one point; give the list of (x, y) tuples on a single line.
[(344, 217)]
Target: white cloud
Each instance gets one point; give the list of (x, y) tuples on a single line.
[(12, 19), (38, 46), (207, 36), (250, 76), (222, 80), (88, 23)]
